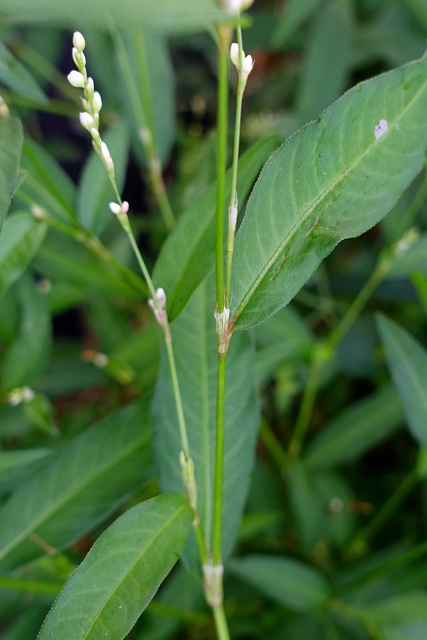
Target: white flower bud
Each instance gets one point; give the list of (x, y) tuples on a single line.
[(76, 79), (79, 58), (115, 208), (232, 6), (86, 120), (106, 156), (78, 41), (161, 297), (234, 54), (89, 89), (97, 102), (248, 65), (125, 207)]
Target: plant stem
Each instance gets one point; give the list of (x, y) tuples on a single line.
[(389, 508), (222, 116), (219, 463), (221, 623), (47, 588), (274, 446), (233, 207), (415, 205)]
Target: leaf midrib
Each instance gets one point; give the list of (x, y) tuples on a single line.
[(317, 202), (67, 496)]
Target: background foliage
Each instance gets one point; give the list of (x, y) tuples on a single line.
[(331, 543)]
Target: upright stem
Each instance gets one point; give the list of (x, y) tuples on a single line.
[(221, 623), (222, 116), (219, 463)]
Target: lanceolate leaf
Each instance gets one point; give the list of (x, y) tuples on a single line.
[(407, 361), (187, 256), (173, 16), (15, 76), (194, 341), (121, 573), (332, 180), (286, 581), (22, 236), (84, 482), (10, 153)]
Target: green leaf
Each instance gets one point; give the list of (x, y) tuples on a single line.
[(407, 361), (10, 154), (21, 238), (187, 255), (15, 76), (195, 349), (332, 180), (404, 608), (330, 41), (15, 464), (286, 581), (121, 573), (30, 352), (356, 430), (79, 486), (95, 189), (172, 16), (296, 13), (47, 185)]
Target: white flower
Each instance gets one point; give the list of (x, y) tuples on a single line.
[(78, 41), (234, 54), (115, 208), (106, 156), (232, 6), (86, 120), (97, 102), (248, 65), (125, 207), (76, 79)]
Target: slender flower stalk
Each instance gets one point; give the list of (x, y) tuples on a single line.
[(89, 119)]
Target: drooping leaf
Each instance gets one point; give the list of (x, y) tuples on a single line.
[(31, 350), (95, 190), (330, 44), (79, 486), (121, 573), (367, 147), (47, 185), (195, 350), (22, 236), (356, 430), (284, 580), (15, 76), (10, 154), (171, 16), (407, 361), (187, 256)]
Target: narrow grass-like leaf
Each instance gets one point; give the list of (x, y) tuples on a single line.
[(366, 148), (356, 430), (296, 12), (407, 361), (10, 154), (95, 190), (15, 76), (121, 573), (172, 16), (188, 254), (31, 350), (195, 349), (22, 236), (79, 486), (330, 44), (286, 581)]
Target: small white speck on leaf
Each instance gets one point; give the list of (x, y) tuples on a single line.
[(380, 128)]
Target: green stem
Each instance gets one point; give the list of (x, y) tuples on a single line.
[(222, 116), (274, 446), (219, 463), (48, 588), (415, 205), (232, 210), (388, 510), (221, 623)]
